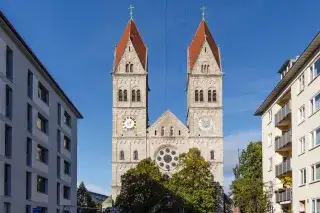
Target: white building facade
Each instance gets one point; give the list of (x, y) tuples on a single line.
[(134, 139), (291, 134), (38, 132)]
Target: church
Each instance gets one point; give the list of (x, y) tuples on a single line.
[(134, 138)]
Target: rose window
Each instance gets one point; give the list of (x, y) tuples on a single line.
[(167, 158)]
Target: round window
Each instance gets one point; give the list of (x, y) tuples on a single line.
[(167, 158)]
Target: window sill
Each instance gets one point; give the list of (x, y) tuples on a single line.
[(301, 154), (44, 193), (314, 112), (318, 145), (301, 122), (302, 185), (313, 79), (300, 92), (43, 132), (315, 181), (40, 161), (46, 103)]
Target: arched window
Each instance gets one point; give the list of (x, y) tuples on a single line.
[(171, 131), (133, 95), (196, 96), (155, 132), (121, 155), (214, 96), (162, 131), (209, 96), (131, 67), (201, 68), (120, 95), (205, 49), (138, 95), (135, 155), (179, 132), (212, 155), (127, 67), (201, 95), (125, 97)]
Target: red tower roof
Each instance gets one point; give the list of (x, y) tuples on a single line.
[(131, 32), (202, 34)]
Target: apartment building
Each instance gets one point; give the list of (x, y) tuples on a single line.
[(291, 134), (38, 132)]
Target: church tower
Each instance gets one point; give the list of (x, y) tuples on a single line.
[(130, 101), (204, 98)]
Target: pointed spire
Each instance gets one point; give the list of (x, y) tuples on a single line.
[(131, 7)]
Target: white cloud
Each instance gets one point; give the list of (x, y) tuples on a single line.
[(233, 142)]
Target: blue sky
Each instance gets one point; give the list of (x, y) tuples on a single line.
[(75, 40)]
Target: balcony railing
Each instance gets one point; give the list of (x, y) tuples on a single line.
[(283, 167), (282, 113), (284, 140), (284, 196)]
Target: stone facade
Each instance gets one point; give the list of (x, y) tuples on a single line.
[(133, 139)]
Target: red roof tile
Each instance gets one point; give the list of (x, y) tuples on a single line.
[(131, 32), (202, 34)]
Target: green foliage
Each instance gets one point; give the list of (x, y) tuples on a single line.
[(286, 181), (248, 190), (194, 182), (84, 199)]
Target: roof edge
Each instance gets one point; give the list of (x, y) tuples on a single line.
[(38, 62)]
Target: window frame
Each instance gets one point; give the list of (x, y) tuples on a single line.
[(44, 123), (313, 172), (270, 139), (135, 155), (301, 83), (9, 102), (42, 154), (66, 192), (9, 63), (43, 93), (301, 114), (314, 201), (121, 153), (313, 138), (67, 168), (43, 186), (302, 177), (312, 103), (67, 143), (270, 161), (302, 143), (67, 118)]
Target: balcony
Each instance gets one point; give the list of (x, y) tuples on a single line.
[(283, 143), (283, 168), (284, 196), (283, 117)]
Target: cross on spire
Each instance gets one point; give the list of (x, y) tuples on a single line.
[(203, 8), (131, 11)]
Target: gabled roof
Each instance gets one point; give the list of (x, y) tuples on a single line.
[(203, 34), (131, 33), (168, 115)]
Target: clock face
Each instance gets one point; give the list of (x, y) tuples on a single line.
[(205, 124), (129, 123)]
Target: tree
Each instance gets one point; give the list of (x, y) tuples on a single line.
[(248, 190), (194, 183), (142, 189), (84, 200)]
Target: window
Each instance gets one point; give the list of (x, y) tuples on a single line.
[(7, 180), (179, 132), (196, 96), (315, 104), (28, 185), (131, 67), (42, 184), (28, 209), (315, 137), (133, 95), (8, 141), (302, 148), (7, 207), (314, 70), (270, 164), (67, 168), (8, 102), (209, 96), (42, 209), (301, 83), (120, 98), (315, 172), (315, 205), (43, 93), (171, 131), (138, 95), (201, 95), (269, 139), (269, 116), (135, 155), (59, 115), (9, 64), (121, 155), (127, 67), (58, 166), (58, 194), (301, 114), (42, 154), (29, 118), (125, 98), (303, 176), (211, 155), (42, 123), (214, 96), (58, 140), (162, 131), (30, 84), (205, 68), (67, 119), (67, 143), (29, 151), (155, 132)]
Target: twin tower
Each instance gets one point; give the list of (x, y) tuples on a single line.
[(134, 139)]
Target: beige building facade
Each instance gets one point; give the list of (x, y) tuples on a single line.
[(291, 134), (134, 138)]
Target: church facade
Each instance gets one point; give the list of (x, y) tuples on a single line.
[(134, 139)]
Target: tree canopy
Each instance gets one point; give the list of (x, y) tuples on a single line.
[(84, 200)]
